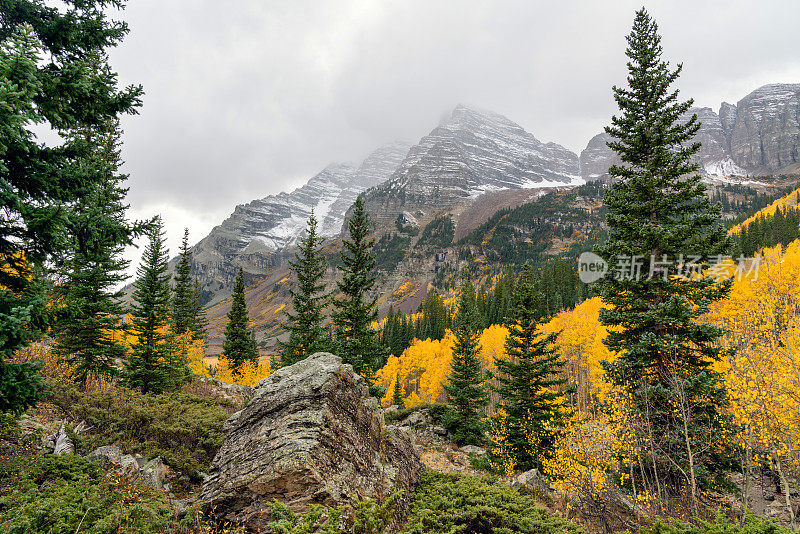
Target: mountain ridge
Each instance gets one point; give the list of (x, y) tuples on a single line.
[(470, 155)]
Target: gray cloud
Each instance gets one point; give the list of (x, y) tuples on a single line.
[(249, 98)]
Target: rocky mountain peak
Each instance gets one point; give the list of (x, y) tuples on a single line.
[(758, 135), (469, 153)]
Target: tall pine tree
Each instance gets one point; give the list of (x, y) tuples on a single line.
[(355, 311), (92, 267), (306, 335), (155, 363), (48, 78), (240, 343), (187, 315), (658, 210), (467, 397), (529, 376)]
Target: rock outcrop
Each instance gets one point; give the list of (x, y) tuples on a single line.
[(311, 434), (148, 473), (765, 136), (758, 135)]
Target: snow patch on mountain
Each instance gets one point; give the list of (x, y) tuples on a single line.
[(724, 167)]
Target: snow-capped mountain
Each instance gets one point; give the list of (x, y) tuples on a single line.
[(759, 135), (470, 153), (255, 231)]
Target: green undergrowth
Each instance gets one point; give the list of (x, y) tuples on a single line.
[(66, 494), (450, 503), (721, 525), (185, 430)]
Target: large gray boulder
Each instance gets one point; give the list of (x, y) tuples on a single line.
[(311, 434)]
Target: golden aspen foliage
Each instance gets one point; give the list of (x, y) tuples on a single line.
[(581, 345), (761, 318)]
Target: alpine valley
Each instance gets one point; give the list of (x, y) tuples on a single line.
[(478, 187)]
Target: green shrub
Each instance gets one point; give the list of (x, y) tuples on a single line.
[(319, 519), (62, 494), (434, 410), (366, 517), (450, 503), (722, 525), (184, 430)]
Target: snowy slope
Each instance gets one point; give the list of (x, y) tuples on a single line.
[(256, 230)]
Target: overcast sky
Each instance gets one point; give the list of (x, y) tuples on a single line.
[(249, 98)]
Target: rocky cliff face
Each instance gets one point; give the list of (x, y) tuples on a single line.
[(765, 136), (596, 158), (255, 231), (468, 154), (310, 435), (759, 135)]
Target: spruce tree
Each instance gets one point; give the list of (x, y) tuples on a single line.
[(658, 210), (155, 363), (93, 267), (240, 343), (398, 394), (186, 310), (354, 311), (467, 397), (48, 79), (306, 335), (529, 376)]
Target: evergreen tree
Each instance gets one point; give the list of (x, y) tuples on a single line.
[(92, 266), (467, 397), (186, 310), (49, 78), (658, 208), (398, 393), (154, 364), (355, 311), (529, 383), (240, 343), (306, 335)]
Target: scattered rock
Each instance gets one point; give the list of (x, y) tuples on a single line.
[(180, 507), (391, 409), (417, 419), (531, 480), (472, 449), (439, 431), (106, 457), (62, 442), (152, 474), (238, 393), (29, 426), (311, 434), (134, 467), (128, 466)]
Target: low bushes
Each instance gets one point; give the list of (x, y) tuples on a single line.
[(449, 503), (722, 525), (65, 494), (183, 429)]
